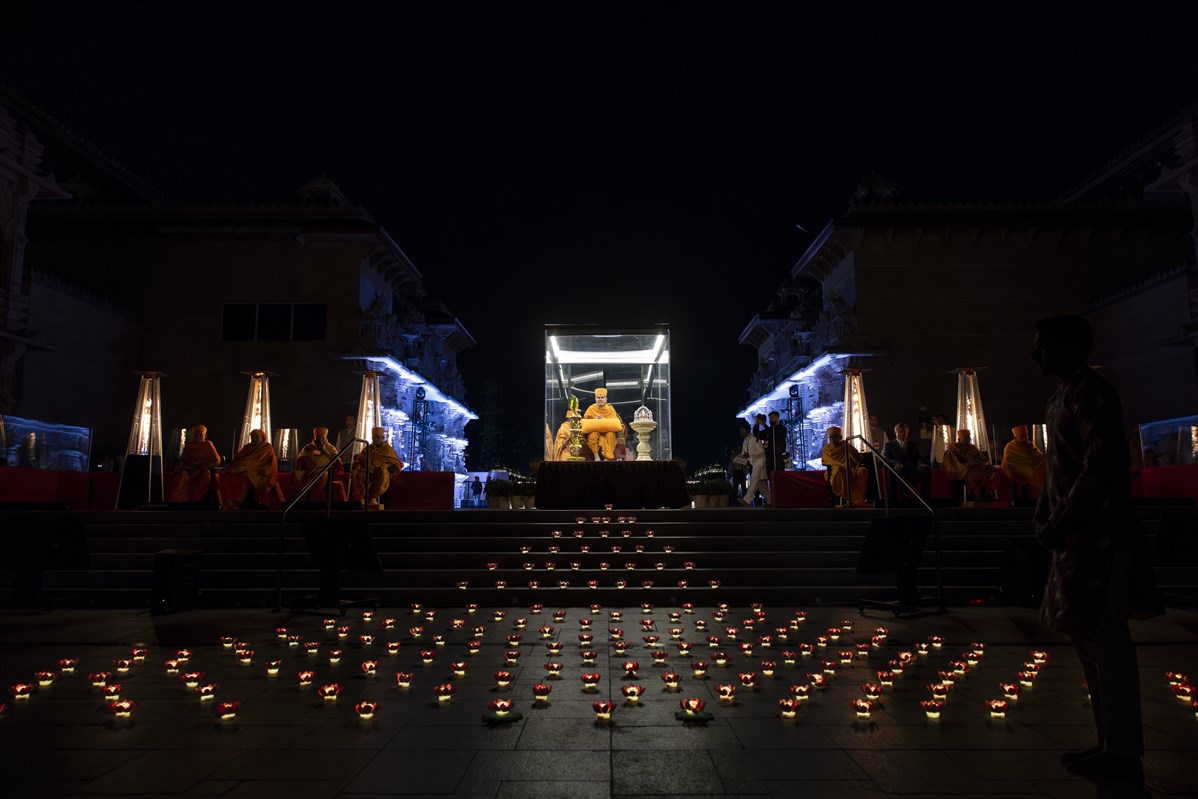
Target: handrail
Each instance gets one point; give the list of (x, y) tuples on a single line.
[(328, 512), (879, 457)]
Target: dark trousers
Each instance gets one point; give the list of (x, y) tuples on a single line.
[(1113, 676)]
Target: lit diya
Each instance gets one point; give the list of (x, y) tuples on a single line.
[(67, 665), (366, 639), (846, 657), (939, 691), (684, 648), (403, 679), (699, 668), (245, 656), (659, 656), (207, 692), (45, 678), (369, 667), (305, 678), (393, 647), (630, 668), (588, 657), (998, 707), (427, 656), (872, 691), (719, 658), (183, 654), (800, 692), (932, 707), (474, 646), (273, 666), (1010, 691), (122, 709), (768, 667), (747, 678), (692, 710), (312, 647), (444, 691), (541, 691), (23, 690), (111, 691), (343, 631), (788, 708), (726, 693), (887, 678), (1026, 678), (503, 678), (818, 680), (335, 655), (190, 679), (589, 680), (788, 658), (603, 710), (632, 692), (671, 679), (123, 665), (227, 710)]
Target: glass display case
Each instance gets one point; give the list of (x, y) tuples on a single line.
[(1171, 442), (34, 444), (632, 363)]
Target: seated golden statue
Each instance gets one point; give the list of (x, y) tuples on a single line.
[(966, 463), (311, 459), (252, 475), (842, 476), (194, 480), (1022, 462), (602, 437), (384, 463)]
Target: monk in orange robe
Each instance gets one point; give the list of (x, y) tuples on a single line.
[(1022, 462), (602, 444), (968, 464), (384, 464), (194, 480), (312, 458), (842, 475), (252, 475)]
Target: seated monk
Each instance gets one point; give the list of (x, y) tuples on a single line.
[(384, 463), (312, 458), (840, 474), (966, 463), (1022, 462), (252, 474), (603, 444), (194, 480)]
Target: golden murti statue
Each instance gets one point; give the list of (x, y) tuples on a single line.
[(1022, 462), (968, 464), (193, 478), (252, 474), (312, 458), (606, 424), (384, 464), (841, 473)]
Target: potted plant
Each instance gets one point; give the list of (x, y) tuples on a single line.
[(719, 492), (527, 492), (499, 494), (699, 492)]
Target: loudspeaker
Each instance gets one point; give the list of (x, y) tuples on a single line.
[(896, 544), (176, 580), (337, 545)]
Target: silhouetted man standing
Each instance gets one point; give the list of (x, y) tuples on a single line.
[(1085, 517)]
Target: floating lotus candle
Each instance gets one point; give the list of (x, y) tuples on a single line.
[(615, 615), (821, 641), (553, 668), (872, 691), (659, 656), (834, 633), (699, 668), (369, 667), (183, 654), (497, 615), (335, 656), (122, 709), (863, 650), (1039, 656), (768, 667), (800, 692), (294, 640), (714, 583), (788, 708), (887, 678), (846, 657), (765, 640), (580, 519), (862, 707), (430, 614), (511, 657), (416, 631), (312, 647), (500, 707), (343, 631), (959, 667), (427, 656), (138, 654), (800, 616), (700, 625), (936, 641), (603, 710), (534, 584), (305, 678), (971, 659), (191, 679), (227, 641), (172, 665), (829, 667), (788, 658), (501, 584), (23, 690), (122, 665), (535, 608), (555, 647), (877, 641), (632, 692), (651, 641), (45, 678), (329, 624), (748, 678), (272, 667), (245, 656), (818, 680), (541, 691), (111, 691), (403, 679), (366, 639), (896, 666), (444, 692), (227, 710), (1010, 690), (1184, 692), (630, 668), (692, 706), (921, 649), (719, 658), (684, 648), (620, 647), (675, 632), (882, 631), (646, 607), (748, 624), (806, 650), (207, 692), (998, 707), (726, 693), (714, 641), (99, 679), (588, 657), (67, 665), (503, 678), (389, 623), (647, 584), (939, 690), (589, 680)]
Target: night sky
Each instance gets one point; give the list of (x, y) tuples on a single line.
[(657, 157)]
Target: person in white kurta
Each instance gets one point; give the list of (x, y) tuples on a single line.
[(757, 479)]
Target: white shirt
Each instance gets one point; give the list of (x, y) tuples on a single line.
[(752, 447)]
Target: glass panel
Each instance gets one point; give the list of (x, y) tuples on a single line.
[(238, 322), (633, 364), (1172, 442), (34, 444), (274, 322), (308, 322)]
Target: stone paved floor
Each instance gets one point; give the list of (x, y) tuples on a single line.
[(286, 741)]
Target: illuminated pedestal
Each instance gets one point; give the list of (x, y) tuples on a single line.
[(643, 430)]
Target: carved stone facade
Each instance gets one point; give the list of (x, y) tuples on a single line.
[(911, 291)]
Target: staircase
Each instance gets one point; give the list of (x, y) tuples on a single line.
[(802, 557)]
